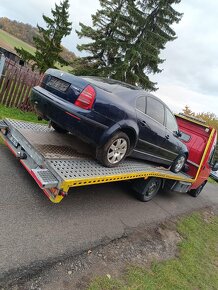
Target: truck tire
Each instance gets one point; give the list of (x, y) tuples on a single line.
[(58, 128), (195, 192), (146, 189), (178, 163), (114, 151)]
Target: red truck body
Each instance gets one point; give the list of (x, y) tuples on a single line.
[(201, 142)]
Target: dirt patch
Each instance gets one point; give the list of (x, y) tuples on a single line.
[(140, 247)]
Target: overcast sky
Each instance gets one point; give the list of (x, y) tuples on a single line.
[(190, 72)]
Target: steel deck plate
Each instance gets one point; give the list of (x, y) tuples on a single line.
[(3, 125), (79, 169), (28, 126), (50, 144), (71, 160)]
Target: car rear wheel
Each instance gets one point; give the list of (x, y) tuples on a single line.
[(58, 128), (178, 163), (114, 151)]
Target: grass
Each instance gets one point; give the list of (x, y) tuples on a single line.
[(11, 41), (196, 267), (14, 113), (211, 180)]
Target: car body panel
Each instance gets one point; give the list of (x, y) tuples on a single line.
[(113, 110), (201, 141)]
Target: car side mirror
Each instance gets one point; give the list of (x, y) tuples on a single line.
[(177, 133), (215, 166)]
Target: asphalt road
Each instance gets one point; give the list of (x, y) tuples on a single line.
[(34, 231)]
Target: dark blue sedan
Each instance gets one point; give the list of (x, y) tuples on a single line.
[(118, 119)]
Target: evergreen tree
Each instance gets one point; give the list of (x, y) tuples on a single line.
[(48, 42), (127, 38)]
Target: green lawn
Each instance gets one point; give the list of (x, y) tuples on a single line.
[(196, 267), (211, 180), (11, 41), (14, 113)]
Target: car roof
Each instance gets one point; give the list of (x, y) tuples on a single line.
[(121, 89), (113, 86)]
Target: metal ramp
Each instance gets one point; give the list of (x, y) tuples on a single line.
[(58, 162)]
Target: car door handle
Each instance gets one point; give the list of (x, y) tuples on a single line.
[(167, 137), (143, 123)]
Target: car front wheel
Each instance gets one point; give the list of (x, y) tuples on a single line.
[(178, 163), (114, 151)]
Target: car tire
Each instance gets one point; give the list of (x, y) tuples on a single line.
[(146, 189), (178, 163), (58, 128), (195, 192), (114, 151)]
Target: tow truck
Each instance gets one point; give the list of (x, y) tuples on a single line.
[(59, 163)]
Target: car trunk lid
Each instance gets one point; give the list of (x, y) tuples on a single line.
[(64, 85)]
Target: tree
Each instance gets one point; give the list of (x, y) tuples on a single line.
[(188, 111), (48, 42), (210, 118), (127, 38)]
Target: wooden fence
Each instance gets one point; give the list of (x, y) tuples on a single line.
[(16, 84)]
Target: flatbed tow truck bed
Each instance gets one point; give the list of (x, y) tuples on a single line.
[(58, 162)]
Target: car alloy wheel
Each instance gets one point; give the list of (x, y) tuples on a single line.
[(117, 151), (179, 163), (114, 150)]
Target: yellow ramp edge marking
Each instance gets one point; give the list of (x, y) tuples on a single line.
[(56, 199), (205, 152), (66, 184)]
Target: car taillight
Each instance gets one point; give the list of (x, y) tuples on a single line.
[(86, 98)]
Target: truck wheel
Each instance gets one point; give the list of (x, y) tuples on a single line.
[(58, 128), (195, 192), (114, 151), (178, 163), (146, 189)]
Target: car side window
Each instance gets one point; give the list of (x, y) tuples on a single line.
[(171, 123), (141, 104), (155, 110)]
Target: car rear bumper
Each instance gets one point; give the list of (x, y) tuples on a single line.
[(78, 121)]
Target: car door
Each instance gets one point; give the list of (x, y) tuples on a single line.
[(150, 118), (171, 144)]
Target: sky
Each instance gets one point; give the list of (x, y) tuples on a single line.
[(190, 70)]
